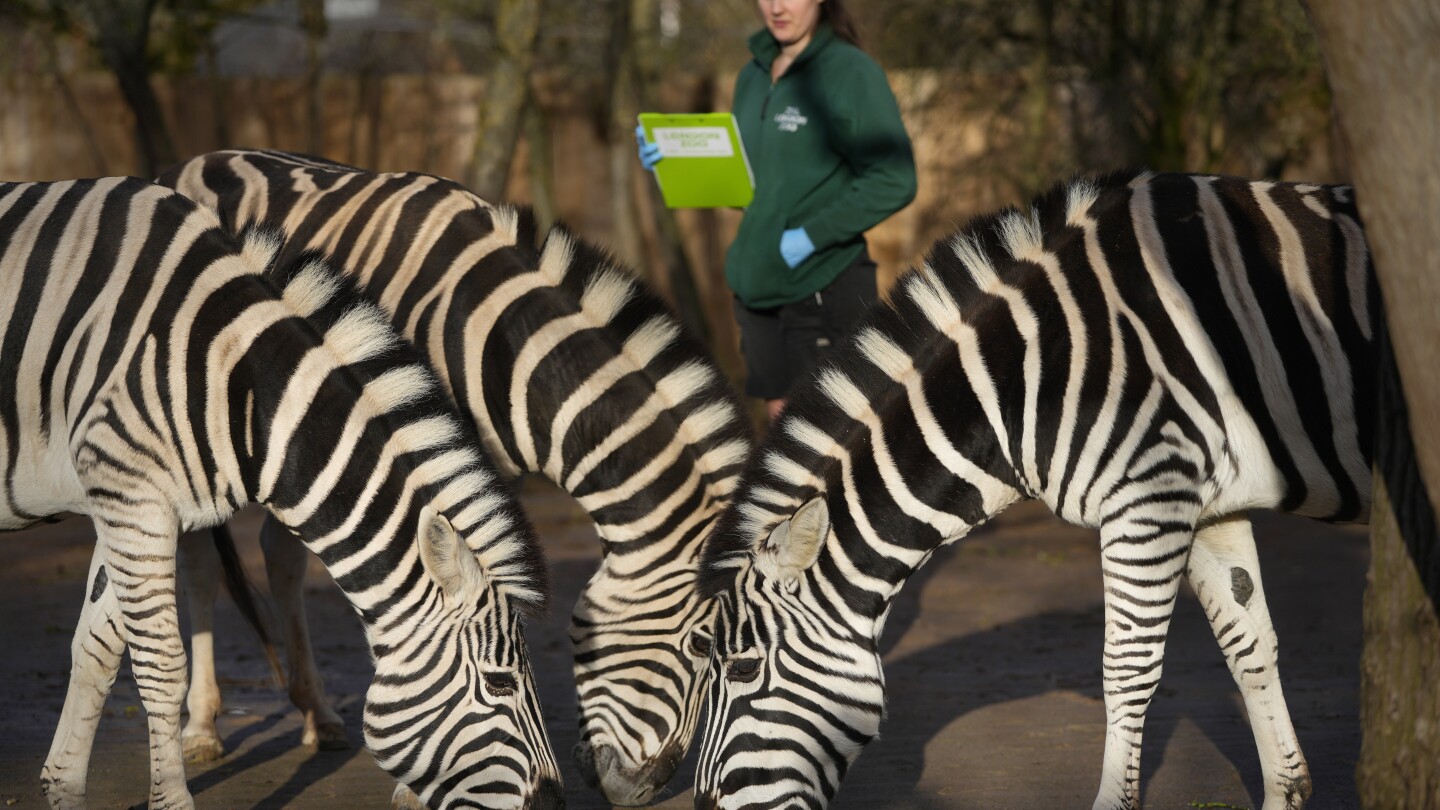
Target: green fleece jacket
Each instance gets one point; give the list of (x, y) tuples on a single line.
[(830, 155)]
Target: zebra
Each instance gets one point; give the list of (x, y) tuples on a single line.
[(1148, 354), (570, 370), (156, 381)]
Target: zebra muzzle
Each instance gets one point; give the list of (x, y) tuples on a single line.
[(548, 795), (602, 769)]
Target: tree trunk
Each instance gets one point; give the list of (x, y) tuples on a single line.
[(677, 275), (121, 33), (375, 117), (507, 92), (620, 115), (357, 111), (1118, 96), (52, 63), (1039, 137), (312, 21), (1400, 665), (219, 99), (542, 179), (1380, 61), (154, 149), (716, 300)]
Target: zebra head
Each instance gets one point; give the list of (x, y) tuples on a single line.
[(642, 638), (795, 690), (453, 712)]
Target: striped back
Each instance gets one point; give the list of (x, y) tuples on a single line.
[(1141, 352), (157, 372), (570, 370)]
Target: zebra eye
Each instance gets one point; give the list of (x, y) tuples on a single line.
[(500, 684), (699, 645), (743, 670)]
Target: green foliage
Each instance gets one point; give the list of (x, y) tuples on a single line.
[(182, 31), (172, 33), (1059, 86), (1198, 85)]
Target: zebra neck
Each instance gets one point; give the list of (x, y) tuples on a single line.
[(318, 446), (593, 386), (595, 413), (897, 490), (642, 507), (903, 472), (379, 572), (377, 568), (871, 556)]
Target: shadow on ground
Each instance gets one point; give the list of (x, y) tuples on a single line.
[(992, 659)]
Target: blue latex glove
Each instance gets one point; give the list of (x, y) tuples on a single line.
[(649, 152), (795, 246)]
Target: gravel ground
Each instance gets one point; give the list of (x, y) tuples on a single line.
[(992, 659)]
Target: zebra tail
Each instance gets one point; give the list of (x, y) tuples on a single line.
[(243, 593)]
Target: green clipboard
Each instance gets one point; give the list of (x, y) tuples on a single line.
[(705, 164)]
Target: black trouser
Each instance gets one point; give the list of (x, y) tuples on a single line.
[(782, 344)]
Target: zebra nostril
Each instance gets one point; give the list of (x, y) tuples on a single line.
[(665, 766), (547, 796), (596, 763), (605, 757), (605, 769), (585, 759)]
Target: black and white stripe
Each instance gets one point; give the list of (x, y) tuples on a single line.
[(156, 381), (570, 370), (1150, 355)]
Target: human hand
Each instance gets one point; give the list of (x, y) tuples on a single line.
[(795, 246), (649, 152)]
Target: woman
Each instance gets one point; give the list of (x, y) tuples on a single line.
[(831, 159)]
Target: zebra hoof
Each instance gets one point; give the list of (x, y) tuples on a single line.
[(1292, 795), (327, 737), (203, 750), (405, 799), (62, 793)]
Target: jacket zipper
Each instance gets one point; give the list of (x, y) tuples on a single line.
[(764, 110)]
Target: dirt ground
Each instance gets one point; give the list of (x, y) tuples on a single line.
[(992, 659)]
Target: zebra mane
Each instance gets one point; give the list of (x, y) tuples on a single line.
[(657, 344), (642, 328), (299, 159), (800, 459), (360, 334), (517, 223)]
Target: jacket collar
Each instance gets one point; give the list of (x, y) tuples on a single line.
[(764, 47)]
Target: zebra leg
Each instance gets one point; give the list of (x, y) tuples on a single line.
[(95, 653), (201, 564), (1143, 553), (140, 545), (1225, 573), (285, 563)]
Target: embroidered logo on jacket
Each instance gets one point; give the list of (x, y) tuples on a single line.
[(790, 120)]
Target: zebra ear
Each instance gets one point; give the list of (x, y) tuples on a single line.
[(447, 559), (795, 544)]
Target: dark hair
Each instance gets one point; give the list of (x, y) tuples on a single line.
[(833, 12)]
